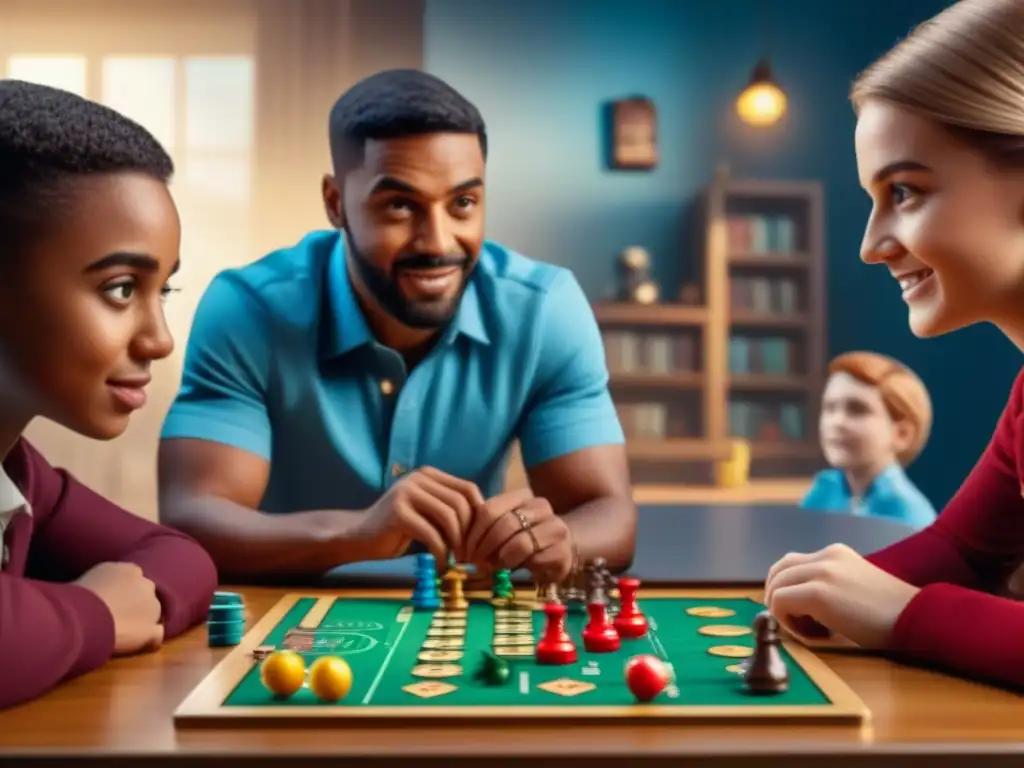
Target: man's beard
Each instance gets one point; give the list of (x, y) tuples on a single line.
[(387, 292)]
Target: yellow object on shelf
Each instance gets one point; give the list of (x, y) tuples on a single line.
[(734, 472)]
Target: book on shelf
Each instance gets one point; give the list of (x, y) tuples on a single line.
[(766, 355), (652, 421), (764, 294), (651, 353), (761, 234), (766, 422)]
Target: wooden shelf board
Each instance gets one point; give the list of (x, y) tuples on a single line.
[(784, 261), (760, 491), (658, 380), (610, 313), (784, 449), (764, 382), (771, 188), (769, 319), (676, 449)]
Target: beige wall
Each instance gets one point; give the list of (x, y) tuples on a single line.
[(303, 54)]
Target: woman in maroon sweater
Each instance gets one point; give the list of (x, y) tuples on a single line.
[(89, 236), (940, 150)]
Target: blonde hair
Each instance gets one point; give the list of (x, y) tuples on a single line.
[(904, 394), (964, 69)]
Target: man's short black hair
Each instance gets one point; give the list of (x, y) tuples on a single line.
[(49, 139), (394, 104)]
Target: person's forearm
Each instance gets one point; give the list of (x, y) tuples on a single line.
[(243, 541), (605, 528)]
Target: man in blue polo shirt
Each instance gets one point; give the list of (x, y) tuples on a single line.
[(357, 394)]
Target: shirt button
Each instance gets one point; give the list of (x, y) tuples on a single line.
[(397, 470), (386, 387)]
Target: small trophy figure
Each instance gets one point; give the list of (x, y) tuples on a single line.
[(637, 285)]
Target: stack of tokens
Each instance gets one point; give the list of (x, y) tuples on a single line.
[(225, 623)]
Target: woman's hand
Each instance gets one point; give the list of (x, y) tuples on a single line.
[(836, 593)]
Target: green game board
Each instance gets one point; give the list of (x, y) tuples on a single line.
[(381, 638)]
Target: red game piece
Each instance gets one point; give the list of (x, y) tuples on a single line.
[(630, 622), (599, 636), (646, 676), (555, 646)]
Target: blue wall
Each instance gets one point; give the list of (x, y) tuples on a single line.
[(539, 71)]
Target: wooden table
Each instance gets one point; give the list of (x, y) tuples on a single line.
[(126, 707)]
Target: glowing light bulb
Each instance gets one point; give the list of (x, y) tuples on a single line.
[(762, 102)]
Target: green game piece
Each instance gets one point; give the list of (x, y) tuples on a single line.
[(494, 670), (503, 588)]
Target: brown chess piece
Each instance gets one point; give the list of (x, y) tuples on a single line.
[(766, 670), (600, 566), (597, 591)]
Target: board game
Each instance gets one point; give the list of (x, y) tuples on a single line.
[(414, 663)]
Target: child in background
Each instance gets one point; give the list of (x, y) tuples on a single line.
[(89, 236), (940, 151), (876, 416)]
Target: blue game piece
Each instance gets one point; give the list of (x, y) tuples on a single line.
[(226, 613), (424, 594), (227, 598)]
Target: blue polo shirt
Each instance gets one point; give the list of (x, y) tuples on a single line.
[(281, 363), (891, 495)]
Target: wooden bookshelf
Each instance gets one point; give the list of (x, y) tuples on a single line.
[(748, 360)]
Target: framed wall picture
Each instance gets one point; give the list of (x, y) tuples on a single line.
[(634, 134)]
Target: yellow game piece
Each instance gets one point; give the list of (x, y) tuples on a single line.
[(455, 599), (330, 678), (283, 673)]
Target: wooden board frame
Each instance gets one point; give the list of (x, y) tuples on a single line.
[(204, 705)]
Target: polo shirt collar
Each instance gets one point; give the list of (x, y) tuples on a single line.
[(347, 326)]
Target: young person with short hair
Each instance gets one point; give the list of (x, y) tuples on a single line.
[(89, 237), (876, 417)]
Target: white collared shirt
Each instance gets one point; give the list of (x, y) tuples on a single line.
[(12, 501)]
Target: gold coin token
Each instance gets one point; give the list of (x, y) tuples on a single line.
[(739, 669), (514, 650), (731, 651), (514, 613), (449, 643), (437, 670), (710, 612), (446, 632), (513, 628), (724, 630), (450, 613), (449, 621), (505, 640), (440, 655)]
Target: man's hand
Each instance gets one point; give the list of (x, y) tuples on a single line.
[(517, 530), (429, 506), (836, 593), (133, 603)]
